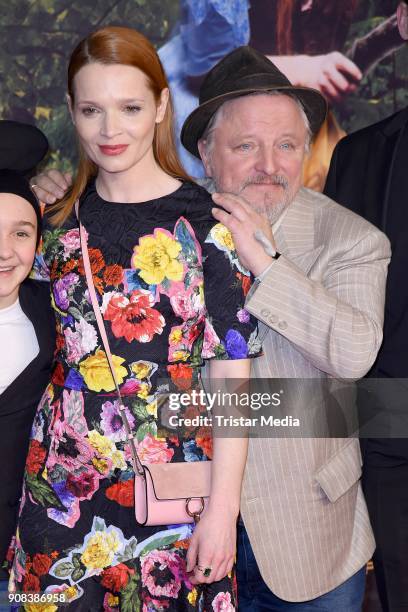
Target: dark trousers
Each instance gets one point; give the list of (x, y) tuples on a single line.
[(255, 596), (386, 493)]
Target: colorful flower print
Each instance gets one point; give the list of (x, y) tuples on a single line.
[(112, 421), (122, 492), (71, 242), (116, 578), (70, 449), (154, 450), (155, 605), (134, 386), (69, 514), (191, 451), (211, 341), (204, 441), (96, 372), (188, 304), (181, 375), (168, 300), (192, 597), (245, 281), (156, 258), (143, 369), (222, 237), (180, 355), (235, 345), (106, 449), (31, 584), (71, 592), (176, 335), (35, 458), (41, 564), (62, 289), (254, 344), (95, 259), (132, 281), (82, 485), (113, 275), (81, 341), (134, 318), (38, 607), (191, 248), (100, 549), (74, 380), (243, 315), (222, 603), (110, 603), (161, 573)]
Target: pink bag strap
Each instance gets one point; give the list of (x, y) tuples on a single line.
[(105, 342)]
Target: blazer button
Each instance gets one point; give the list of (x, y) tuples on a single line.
[(265, 312), (273, 319), (282, 325)]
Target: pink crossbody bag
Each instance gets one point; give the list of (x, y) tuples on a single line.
[(165, 493)]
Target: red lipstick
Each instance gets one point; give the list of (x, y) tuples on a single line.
[(113, 149)]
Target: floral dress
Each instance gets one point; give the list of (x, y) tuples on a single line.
[(171, 292)]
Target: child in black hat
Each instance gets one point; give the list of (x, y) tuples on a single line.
[(26, 319)]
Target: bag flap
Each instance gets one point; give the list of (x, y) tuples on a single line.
[(180, 480), (341, 472)]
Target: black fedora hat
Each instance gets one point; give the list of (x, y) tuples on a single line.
[(22, 146), (241, 72)]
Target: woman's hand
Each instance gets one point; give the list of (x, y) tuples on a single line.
[(51, 185), (213, 545)]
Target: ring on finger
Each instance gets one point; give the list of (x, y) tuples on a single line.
[(205, 570)]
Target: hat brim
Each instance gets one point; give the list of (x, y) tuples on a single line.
[(313, 102)]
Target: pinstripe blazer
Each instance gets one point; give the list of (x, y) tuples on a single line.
[(321, 307)]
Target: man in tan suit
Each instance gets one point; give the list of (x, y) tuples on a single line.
[(319, 297)]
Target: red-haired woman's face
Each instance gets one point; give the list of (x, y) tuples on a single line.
[(115, 113)]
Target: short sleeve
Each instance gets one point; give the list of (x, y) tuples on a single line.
[(230, 331)]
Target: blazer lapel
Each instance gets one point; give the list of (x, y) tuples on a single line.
[(295, 237)]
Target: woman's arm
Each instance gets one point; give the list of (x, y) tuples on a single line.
[(213, 543)]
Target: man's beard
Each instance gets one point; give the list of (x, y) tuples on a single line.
[(270, 207)]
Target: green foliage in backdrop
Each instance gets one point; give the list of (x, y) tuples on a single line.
[(37, 39), (384, 90)]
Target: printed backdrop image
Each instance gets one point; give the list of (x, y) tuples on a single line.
[(349, 49), (319, 43)]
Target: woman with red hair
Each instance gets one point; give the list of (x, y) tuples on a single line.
[(171, 292)]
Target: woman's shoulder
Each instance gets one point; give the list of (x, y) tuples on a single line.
[(195, 202), (49, 225)]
